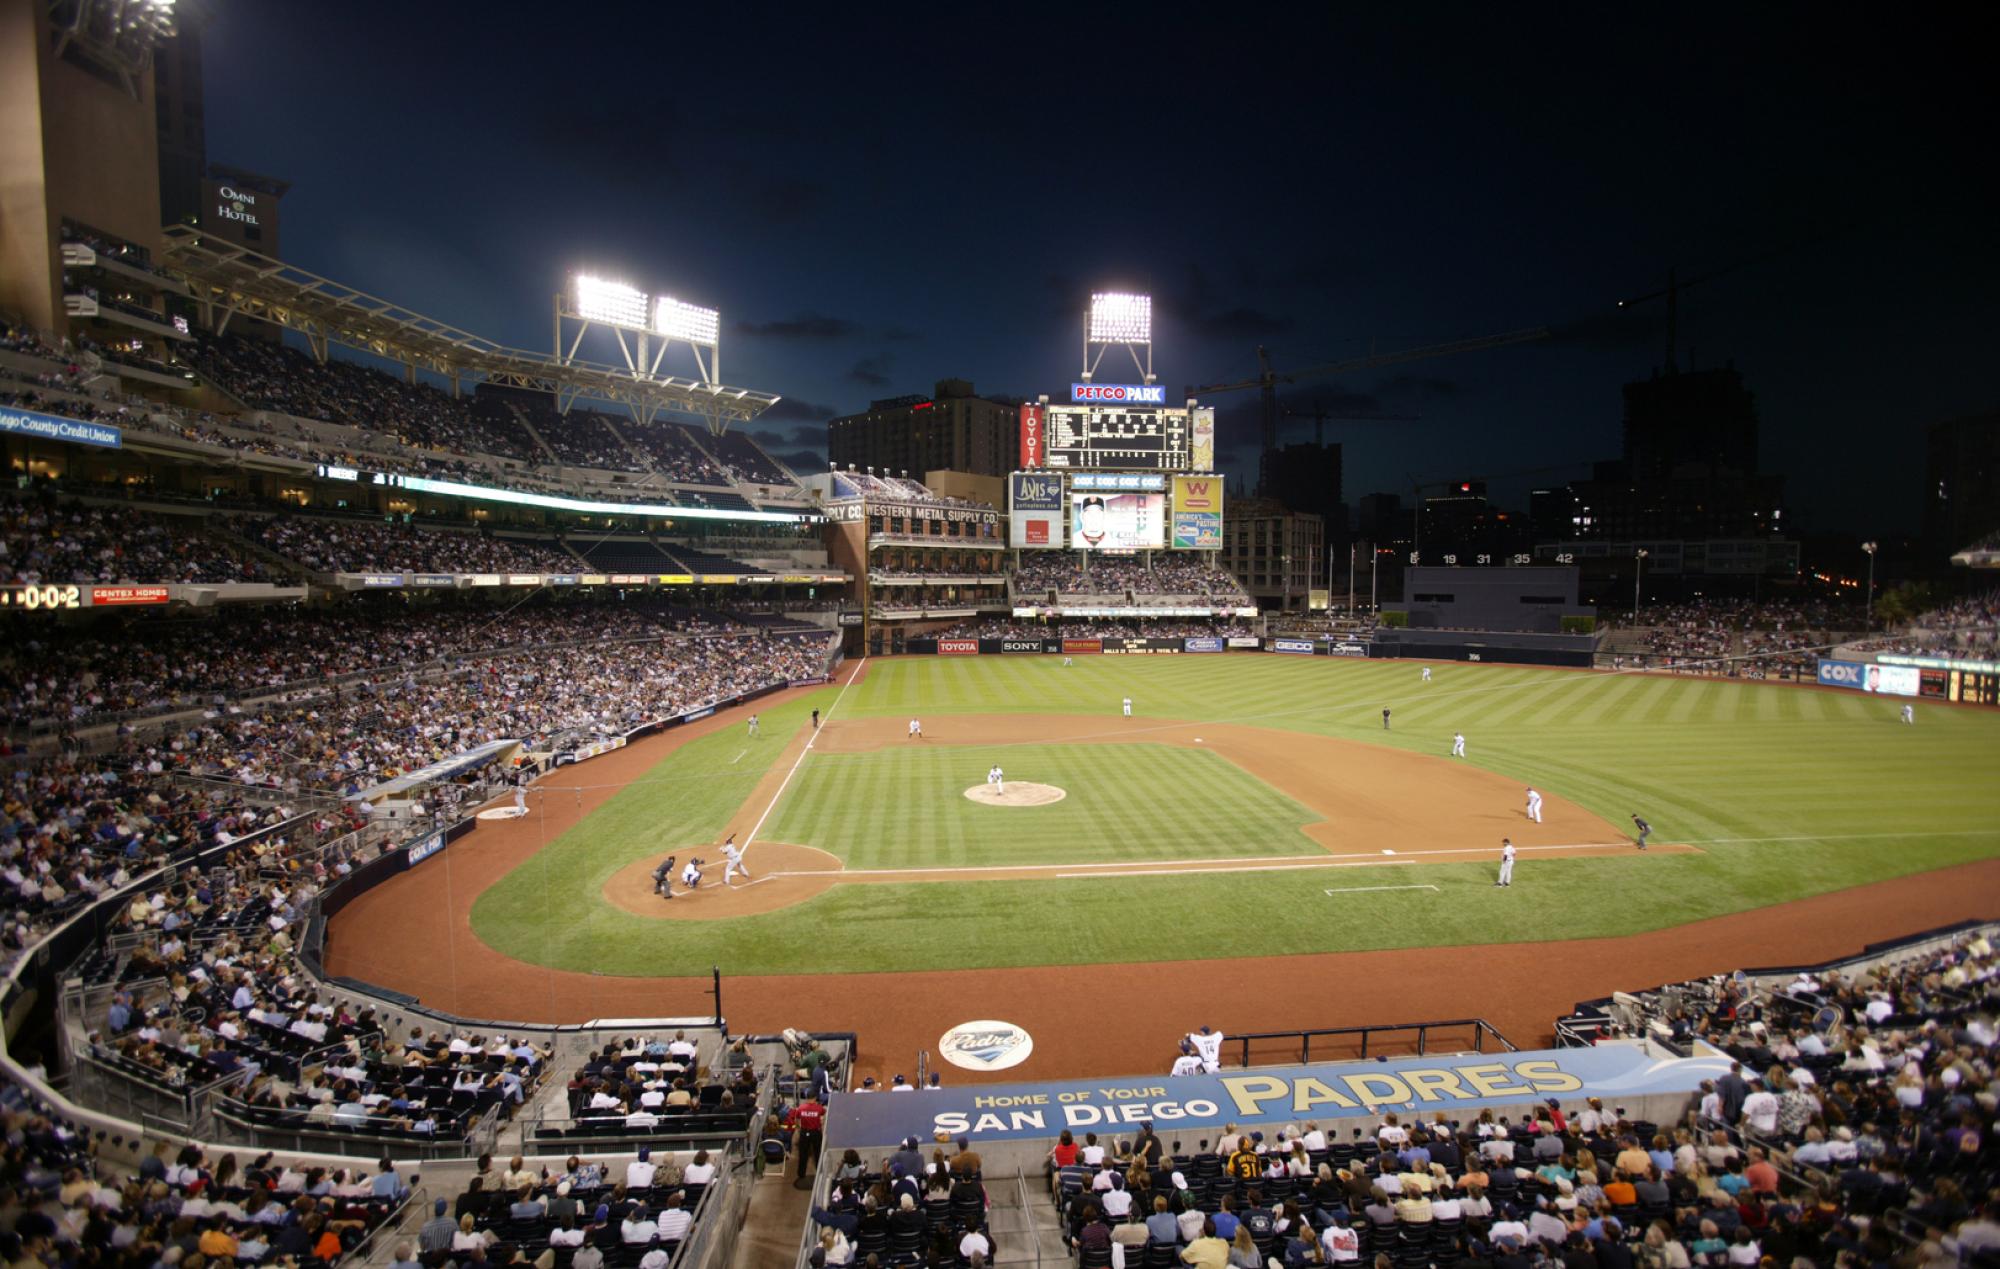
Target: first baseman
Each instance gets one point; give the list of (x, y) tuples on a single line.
[(1645, 829), (1128, 707), (1534, 804), (916, 729), (1506, 862)]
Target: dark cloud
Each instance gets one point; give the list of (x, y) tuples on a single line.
[(806, 434), (1426, 385), (801, 326), (872, 371), (805, 462), (1240, 323), (787, 200), (1614, 329), (899, 334), (797, 410)]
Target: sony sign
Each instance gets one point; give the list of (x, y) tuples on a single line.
[(1122, 393)]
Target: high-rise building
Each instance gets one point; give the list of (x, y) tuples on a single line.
[(1691, 424), (1962, 483), (1306, 477), (953, 429), (1277, 553)]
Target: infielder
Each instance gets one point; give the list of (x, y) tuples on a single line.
[(1645, 829), (1427, 674), (691, 875), (732, 856), (1458, 744), (1506, 862), (1534, 804), (1128, 707), (916, 730), (1910, 714), (1385, 718)]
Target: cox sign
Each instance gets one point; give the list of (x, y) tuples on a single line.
[(1120, 393)]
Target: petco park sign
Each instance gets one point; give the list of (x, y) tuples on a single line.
[(1120, 393)]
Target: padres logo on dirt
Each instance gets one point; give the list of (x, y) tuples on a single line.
[(986, 1045)]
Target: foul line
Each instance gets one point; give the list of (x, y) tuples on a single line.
[(738, 758), (811, 740), (1367, 889)]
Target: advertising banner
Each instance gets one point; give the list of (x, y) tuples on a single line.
[(1197, 513), (1889, 680), (1347, 649), (381, 579), (958, 647), (486, 579), (54, 427), (1201, 446), (1298, 647), (433, 579), (1202, 645), (524, 579), (1118, 481), (1020, 645), (1035, 511), (1034, 436), (120, 596), (422, 848), (1116, 522), (1458, 1086), (1073, 646), (1245, 641)]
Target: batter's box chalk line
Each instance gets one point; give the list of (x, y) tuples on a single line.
[(1367, 889)]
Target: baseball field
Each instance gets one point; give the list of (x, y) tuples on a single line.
[(1254, 806)]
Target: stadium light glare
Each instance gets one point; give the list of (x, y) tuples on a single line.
[(691, 322), (1118, 318), (612, 303)]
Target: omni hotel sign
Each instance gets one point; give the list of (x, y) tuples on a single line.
[(235, 204)]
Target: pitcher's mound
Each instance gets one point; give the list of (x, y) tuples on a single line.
[(1019, 793)]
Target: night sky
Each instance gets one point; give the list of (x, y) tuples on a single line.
[(876, 204)]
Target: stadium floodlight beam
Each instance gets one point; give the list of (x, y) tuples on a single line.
[(1118, 317), (677, 319), (654, 324)]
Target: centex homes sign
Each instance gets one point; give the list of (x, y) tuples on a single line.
[(1004, 1112)]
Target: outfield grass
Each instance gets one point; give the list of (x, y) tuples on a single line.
[(1789, 792)]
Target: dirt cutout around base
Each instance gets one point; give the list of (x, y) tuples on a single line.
[(1016, 793), (805, 870)]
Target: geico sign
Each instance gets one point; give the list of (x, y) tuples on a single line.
[(1136, 393)]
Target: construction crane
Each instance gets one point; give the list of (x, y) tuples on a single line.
[(1267, 379), (1321, 416)]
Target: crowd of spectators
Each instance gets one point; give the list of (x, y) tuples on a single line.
[(1073, 573), (906, 1208), (1739, 637), (999, 628), (64, 1203), (326, 545), (43, 540), (673, 452), (582, 438), (1967, 627)]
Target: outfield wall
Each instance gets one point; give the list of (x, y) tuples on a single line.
[(1523, 648)]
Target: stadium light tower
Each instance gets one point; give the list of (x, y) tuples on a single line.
[(1638, 571), (1868, 612), (1116, 317), (644, 325)]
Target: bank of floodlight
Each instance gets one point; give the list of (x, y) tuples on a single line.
[(689, 322), (613, 303), (1119, 318), (1122, 318)]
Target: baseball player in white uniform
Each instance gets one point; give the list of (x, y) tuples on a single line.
[(732, 856), (1506, 862), (751, 730), (521, 798), (1187, 1063), (1458, 744), (1068, 661), (999, 781), (1208, 1047), (916, 729), (1909, 714), (1128, 707), (1427, 674), (691, 875), (1535, 804)]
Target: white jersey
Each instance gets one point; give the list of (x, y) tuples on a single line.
[(1209, 1046), (690, 875), (733, 853), (1187, 1064)]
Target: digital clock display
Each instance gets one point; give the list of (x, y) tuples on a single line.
[(38, 598)]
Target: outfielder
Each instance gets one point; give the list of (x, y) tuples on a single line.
[(916, 730), (732, 856), (1128, 707), (1068, 662), (1385, 718), (751, 728), (1506, 862), (1910, 714), (1645, 829), (1458, 744), (1534, 804), (1427, 674)]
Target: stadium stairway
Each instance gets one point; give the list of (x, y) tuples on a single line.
[(529, 426), (644, 459)]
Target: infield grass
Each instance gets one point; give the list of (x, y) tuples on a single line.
[(1789, 792)]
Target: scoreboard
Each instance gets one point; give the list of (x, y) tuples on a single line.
[(1117, 438)]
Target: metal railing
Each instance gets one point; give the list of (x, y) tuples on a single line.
[(1338, 1044)]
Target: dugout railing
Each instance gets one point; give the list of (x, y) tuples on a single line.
[(1348, 1044)]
